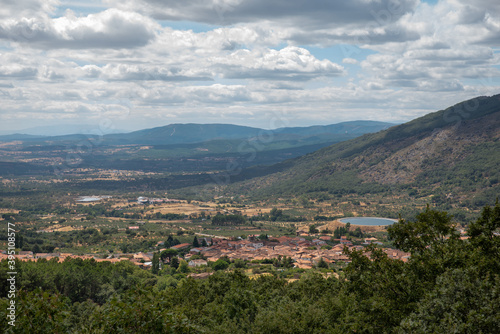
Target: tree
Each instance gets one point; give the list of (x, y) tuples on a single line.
[(322, 263), (431, 229), (204, 243), (220, 264), (169, 241), (168, 254), (195, 242), (313, 229), (461, 302), (155, 267), (224, 220), (275, 214), (183, 267), (174, 263), (36, 249)]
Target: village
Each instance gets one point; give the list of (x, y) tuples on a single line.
[(304, 254)]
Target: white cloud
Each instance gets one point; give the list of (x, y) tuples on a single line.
[(290, 63), (226, 12), (111, 28), (18, 72), (350, 61), (127, 72), (125, 64), (26, 8)]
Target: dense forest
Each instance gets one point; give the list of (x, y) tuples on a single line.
[(449, 285)]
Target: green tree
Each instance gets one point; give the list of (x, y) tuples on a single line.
[(195, 242), (322, 264), (460, 302), (485, 240), (431, 229), (275, 214), (204, 243), (168, 254), (313, 229), (220, 264), (174, 262), (183, 267), (155, 266)]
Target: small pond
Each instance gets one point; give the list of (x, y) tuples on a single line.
[(372, 221)]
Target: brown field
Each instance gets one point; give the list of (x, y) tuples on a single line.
[(9, 211)]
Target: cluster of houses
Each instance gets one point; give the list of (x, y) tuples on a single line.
[(304, 253)]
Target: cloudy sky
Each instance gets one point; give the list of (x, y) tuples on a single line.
[(125, 65)]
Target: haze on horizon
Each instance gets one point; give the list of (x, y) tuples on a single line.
[(121, 66)]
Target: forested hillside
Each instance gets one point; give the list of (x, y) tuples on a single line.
[(450, 156)]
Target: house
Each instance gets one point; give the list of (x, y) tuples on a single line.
[(344, 241), (256, 245), (181, 246), (371, 241), (200, 276)]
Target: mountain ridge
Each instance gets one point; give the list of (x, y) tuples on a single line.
[(412, 155), (190, 133)]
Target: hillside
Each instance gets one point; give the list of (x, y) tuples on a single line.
[(177, 148), (447, 157)]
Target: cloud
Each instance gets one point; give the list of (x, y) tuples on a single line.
[(111, 28), (350, 61), (355, 21), (26, 8), (312, 14), (251, 59), (127, 72), (18, 72), (290, 63)]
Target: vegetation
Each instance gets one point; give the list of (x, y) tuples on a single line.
[(448, 285), (225, 220)]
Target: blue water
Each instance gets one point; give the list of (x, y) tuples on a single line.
[(368, 221)]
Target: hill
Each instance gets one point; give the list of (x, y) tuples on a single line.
[(449, 157), (197, 133), (18, 136), (180, 148)]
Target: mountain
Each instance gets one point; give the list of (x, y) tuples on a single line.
[(180, 148), (19, 136), (448, 157), (61, 130), (198, 133), (174, 134)]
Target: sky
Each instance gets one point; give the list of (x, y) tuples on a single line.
[(110, 65)]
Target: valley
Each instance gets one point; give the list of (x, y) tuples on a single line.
[(147, 211)]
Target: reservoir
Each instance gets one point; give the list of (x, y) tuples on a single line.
[(372, 221)]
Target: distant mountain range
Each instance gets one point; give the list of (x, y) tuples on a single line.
[(57, 130), (452, 155), (197, 133), (179, 148), (193, 133)]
